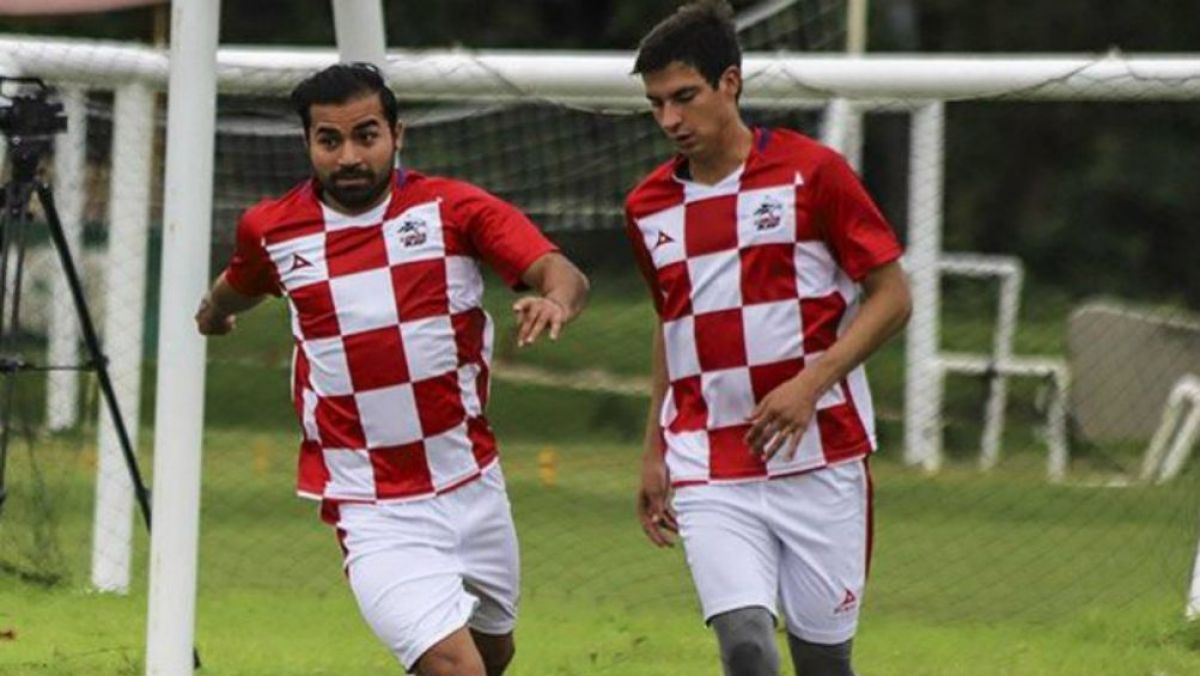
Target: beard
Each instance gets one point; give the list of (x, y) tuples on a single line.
[(364, 190)]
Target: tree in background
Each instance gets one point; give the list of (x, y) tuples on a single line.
[(1096, 198)]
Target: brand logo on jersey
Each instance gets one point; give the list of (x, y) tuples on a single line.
[(298, 262), (663, 238), (849, 602), (768, 215), (412, 232)]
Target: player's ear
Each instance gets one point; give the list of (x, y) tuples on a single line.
[(398, 134), (731, 81), (306, 126)]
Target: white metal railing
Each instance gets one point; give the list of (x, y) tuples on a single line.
[(1011, 274), (1059, 377), (1177, 432)]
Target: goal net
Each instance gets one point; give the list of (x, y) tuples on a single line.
[(1020, 200)]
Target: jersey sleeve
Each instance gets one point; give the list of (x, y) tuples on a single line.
[(501, 235), (641, 256), (857, 234), (250, 271)]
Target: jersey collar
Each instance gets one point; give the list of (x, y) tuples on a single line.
[(681, 172)]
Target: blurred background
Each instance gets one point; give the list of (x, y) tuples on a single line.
[(1086, 213)]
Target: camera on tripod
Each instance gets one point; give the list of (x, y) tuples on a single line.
[(29, 121), (31, 114)]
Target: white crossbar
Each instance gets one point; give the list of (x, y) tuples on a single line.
[(603, 78)]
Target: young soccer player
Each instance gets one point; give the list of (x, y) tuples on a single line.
[(755, 244), (381, 270)]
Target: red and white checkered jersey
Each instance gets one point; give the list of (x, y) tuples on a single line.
[(753, 278), (392, 346)]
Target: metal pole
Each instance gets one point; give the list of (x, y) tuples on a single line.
[(856, 27), (62, 386), (843, 121), (923, 371), (179, 410), (358, 25), (125, 296)]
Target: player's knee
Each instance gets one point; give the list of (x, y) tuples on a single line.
[(749, 657), (820, 659), (747, 641)]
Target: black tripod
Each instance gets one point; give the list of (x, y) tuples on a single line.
[(30, 123)]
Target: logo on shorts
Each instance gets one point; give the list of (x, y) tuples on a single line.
[(768, 215), (849, 602), (412, 232)]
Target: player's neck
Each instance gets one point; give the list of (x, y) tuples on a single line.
[(729, 153)]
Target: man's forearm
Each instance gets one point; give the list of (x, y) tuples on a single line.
[(658, 392), (884, 312), (556, 278), (224, 300), (566, 285), (652, 442)]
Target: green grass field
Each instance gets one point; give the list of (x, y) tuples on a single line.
[(1000, 575), (973, 574)]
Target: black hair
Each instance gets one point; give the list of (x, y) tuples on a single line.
[(342, 82), (699, 34)]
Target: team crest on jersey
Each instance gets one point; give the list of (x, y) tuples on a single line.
[(412, 232), (768, 215)]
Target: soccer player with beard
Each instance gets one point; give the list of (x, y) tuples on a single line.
[(756, 244), (381, 270)]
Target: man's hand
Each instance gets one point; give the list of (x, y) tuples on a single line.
[(210, 323), (534, 315), (780, 419), (653, 508)]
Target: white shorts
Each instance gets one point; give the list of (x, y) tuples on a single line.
[(422, 570), (804, 540)]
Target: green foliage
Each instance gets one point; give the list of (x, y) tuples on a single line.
[(564, 24), (1060, 26), (1092, 198)]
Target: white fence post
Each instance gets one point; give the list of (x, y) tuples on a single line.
[(842, 130), (125, 304), (1176, 434), (1192, 609), (1002, 351), (179, 409), (923, 372), (70, 192), (358, 25)]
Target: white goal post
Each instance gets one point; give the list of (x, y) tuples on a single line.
[(921, 85), (776, 80)]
